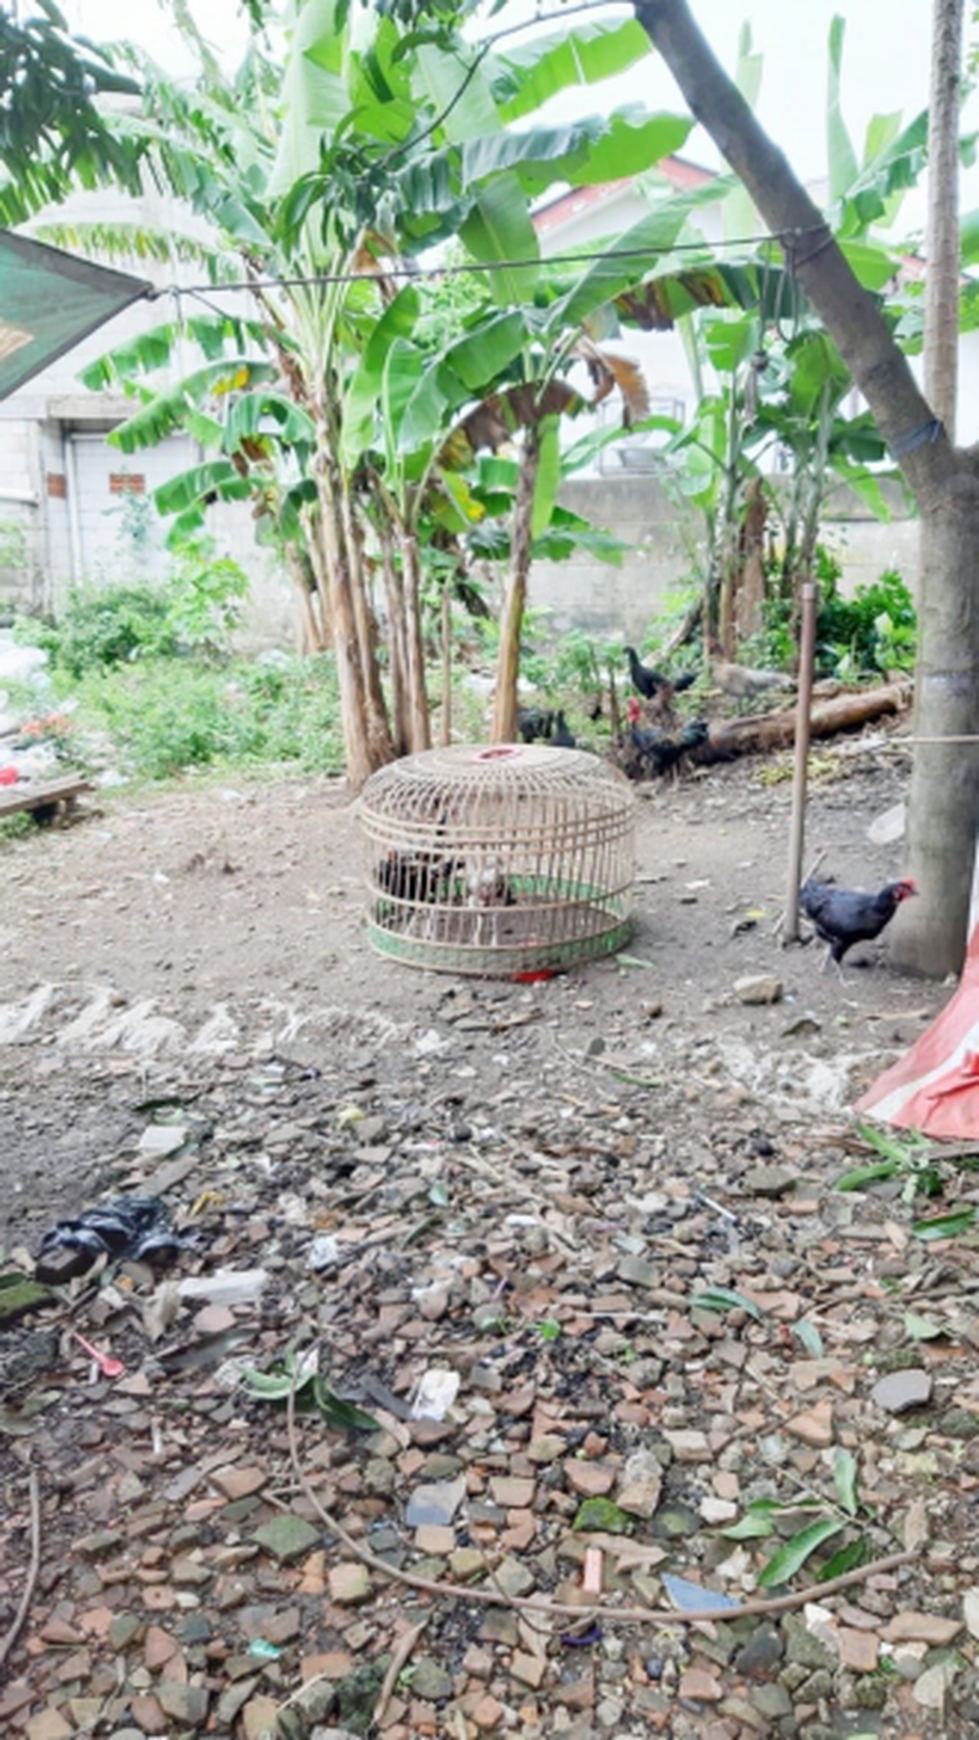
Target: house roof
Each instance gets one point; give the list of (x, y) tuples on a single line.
[(566, 206)]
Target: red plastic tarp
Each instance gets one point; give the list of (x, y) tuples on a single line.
[(935, 1086)]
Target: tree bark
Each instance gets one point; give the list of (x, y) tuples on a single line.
[(381, 748), (767, 731), (360, 759), (944, 798), (942, 280), (418, 720), (397, 643), (504, 727)]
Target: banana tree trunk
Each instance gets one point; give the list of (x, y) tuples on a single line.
[(504, 728), (445, 718), (361, 752), (397, 644), (378, 727), (311, 636), (418, 721)]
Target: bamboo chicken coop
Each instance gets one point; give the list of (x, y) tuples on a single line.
[(494, 861)]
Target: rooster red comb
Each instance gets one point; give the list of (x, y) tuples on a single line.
[(907, 886), (634, 710)]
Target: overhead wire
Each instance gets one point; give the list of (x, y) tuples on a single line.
[(452, 270)]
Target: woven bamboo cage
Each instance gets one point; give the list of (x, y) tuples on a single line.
[(498, 860)]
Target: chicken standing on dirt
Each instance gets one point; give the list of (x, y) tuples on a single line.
[(844, 916)]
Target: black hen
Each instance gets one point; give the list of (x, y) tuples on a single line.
[(649, 682), (844, 916), (658, 751), (561, 737), (534, 724)]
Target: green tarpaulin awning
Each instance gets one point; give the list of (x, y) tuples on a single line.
[(48, 302)]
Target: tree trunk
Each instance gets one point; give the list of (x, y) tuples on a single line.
[(418, 721), (944, 799), (767, 731), (751, 594), (311, 637), (397, 644), (943, 802), (504, 727), (942, 280), (375, 707), (360, 755), (445, 721)]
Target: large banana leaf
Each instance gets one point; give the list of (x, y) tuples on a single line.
[(180, 407), (625, 259), (154, 349), (839, 146), (251, 412), (738, 214), (498, 230), (523, 76), (548, 477), (815, 365), (315, 99), (216, 477), (877, 189), (363, 395)]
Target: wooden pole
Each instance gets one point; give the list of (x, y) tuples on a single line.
[(807, 651)]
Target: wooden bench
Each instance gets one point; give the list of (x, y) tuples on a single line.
[(46, 799)]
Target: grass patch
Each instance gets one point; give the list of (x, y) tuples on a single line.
[(165, 715)]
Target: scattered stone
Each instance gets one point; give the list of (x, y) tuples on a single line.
[(773, 1181), (184, 1703), (430, 1680), (436, 1503), (758, 988), (928, 1628), (640, 1484), (287, 1537), (235, 1482), (815, 1426), (350, 1583), (593, 1479), (900, 1391)]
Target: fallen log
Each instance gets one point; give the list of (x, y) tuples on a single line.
[(766, 731)]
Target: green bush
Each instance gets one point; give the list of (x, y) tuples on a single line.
[(102, 627), (875, 630), (165, 715), (869, 634), (191, 612)]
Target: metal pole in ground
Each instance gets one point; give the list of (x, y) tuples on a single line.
[(807, 654)]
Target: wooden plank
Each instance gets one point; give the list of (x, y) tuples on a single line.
[(39, 797)]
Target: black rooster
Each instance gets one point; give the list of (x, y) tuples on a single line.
[(650, 682), (844, 916), (656, 752), (418, 877)]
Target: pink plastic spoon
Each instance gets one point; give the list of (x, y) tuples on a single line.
[(108, 1366)]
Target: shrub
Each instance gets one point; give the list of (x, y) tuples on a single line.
[(165, 715)]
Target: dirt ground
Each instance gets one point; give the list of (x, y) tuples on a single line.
[(522, 1188), (214, 918)]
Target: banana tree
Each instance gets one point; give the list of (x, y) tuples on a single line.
[(53, 133), (379, 141)]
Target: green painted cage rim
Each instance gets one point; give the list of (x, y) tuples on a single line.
[(501, 960)]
